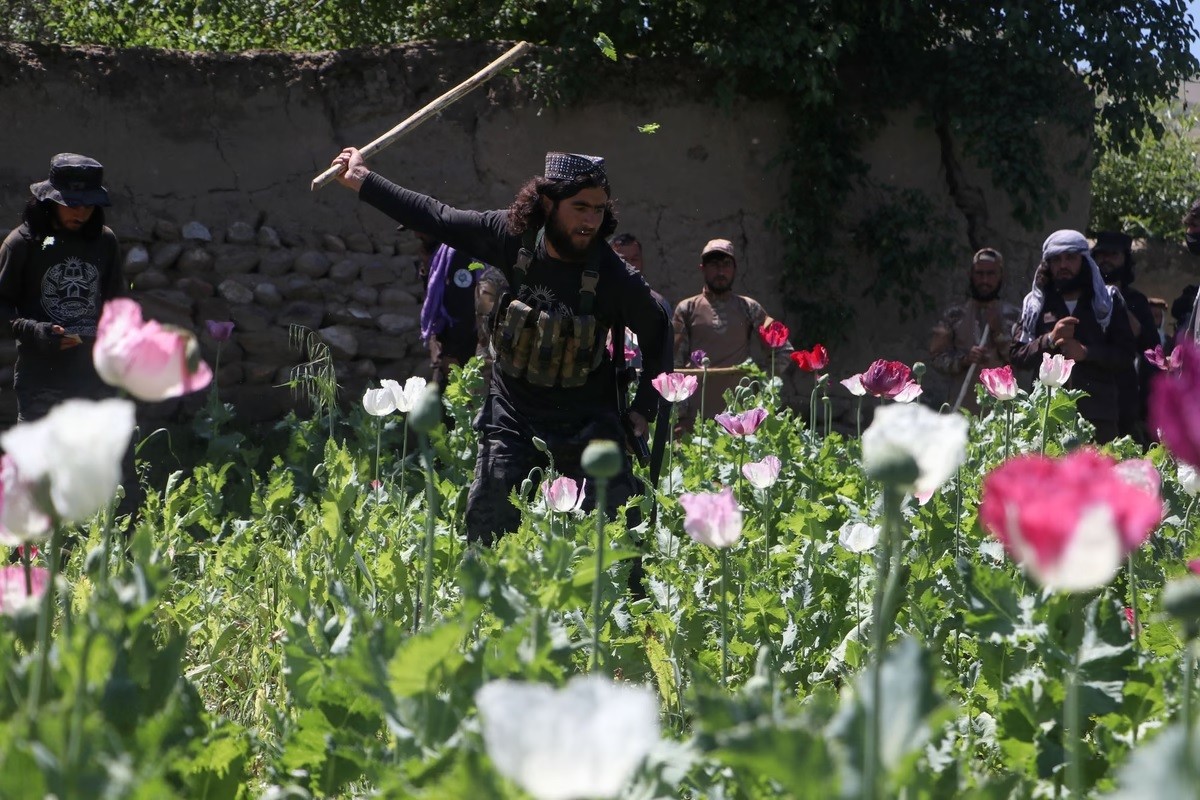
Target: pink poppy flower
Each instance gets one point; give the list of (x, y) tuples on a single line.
[(854, 385), (14, 594), (712, 518), (563, 495), (149, 360), (908, 392), (762, 474), (999, 382), (1071, 521), (742, 424), (1194, 566), (675, 386), (1175, 405)]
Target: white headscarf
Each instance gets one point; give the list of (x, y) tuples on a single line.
[(1057, 243)]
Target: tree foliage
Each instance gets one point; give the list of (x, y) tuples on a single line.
[(991, 77), (1145, 192)]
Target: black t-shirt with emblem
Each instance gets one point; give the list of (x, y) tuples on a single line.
[(622, 295), (63, 279)]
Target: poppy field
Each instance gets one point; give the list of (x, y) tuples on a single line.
[(942, 606)]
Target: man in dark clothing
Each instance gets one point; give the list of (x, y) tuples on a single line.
[(552, 377), (1113, 253), (57, 269), (1071, 311)]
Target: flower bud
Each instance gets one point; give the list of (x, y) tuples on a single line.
[(540, 444), (918, 370), (427, 413), (602, 459)]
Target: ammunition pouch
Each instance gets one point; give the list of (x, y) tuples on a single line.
[(544, 348)]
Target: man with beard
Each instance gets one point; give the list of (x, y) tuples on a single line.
[(955, 344), (722, 324), (1113, 253), (57, 269), (1071, 311), (553, 379)]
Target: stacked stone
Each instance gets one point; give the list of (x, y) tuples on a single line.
[(360, 296)]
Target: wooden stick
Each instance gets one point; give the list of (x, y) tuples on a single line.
[(436, 107), (962, 393)]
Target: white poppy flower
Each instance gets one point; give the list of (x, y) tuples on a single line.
[(936, 444), (858, 537), (78, 448), (1055, 370), (585, 740), (379, 402), (21, 520), (406, 398), (1189, 478)]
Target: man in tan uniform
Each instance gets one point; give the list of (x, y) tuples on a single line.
[(955, 344), (722, 324)]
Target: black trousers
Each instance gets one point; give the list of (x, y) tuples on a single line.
[(507, 455)]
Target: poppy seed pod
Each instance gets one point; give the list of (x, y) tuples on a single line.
[(602, 459), (427, 413)]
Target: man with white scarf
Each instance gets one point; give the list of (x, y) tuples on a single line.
[(1071, 311)]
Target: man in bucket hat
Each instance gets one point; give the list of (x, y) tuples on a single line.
[(57, 269), (553, 378)]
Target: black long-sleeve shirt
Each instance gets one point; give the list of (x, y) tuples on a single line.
[(63, 279), (622, 298), (1109, 352)]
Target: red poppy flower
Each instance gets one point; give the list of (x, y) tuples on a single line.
[(774, 334), (811, 360)]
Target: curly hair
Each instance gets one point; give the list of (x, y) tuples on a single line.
[(526, 212), (39, 216)]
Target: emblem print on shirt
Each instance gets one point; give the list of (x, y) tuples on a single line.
[(542, 297), (71, 294), (462, 278)]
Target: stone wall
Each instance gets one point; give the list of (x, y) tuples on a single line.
[(232, 141)]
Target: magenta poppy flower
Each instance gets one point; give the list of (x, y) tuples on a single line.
[(999, 382), (218, 331), (1175, 405), (1072, 520), (742, 424), (675, 386), (886, 378), (699, 357)]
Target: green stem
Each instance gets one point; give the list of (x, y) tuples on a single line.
[(1133, 603), (601, 491), (888, 554), (403, 466), (378, 440), (812, 410), (1007, 428), (1189, 666), (703, 384), (431, 512), (1073, 733), (828, 407), (770, 532), (42, 665), (858, 418), (724, 616), (1045, 417)]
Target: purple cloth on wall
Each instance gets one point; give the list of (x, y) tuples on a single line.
[(433, 311)]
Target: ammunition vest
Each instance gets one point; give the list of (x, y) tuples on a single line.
[(539, 345)]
